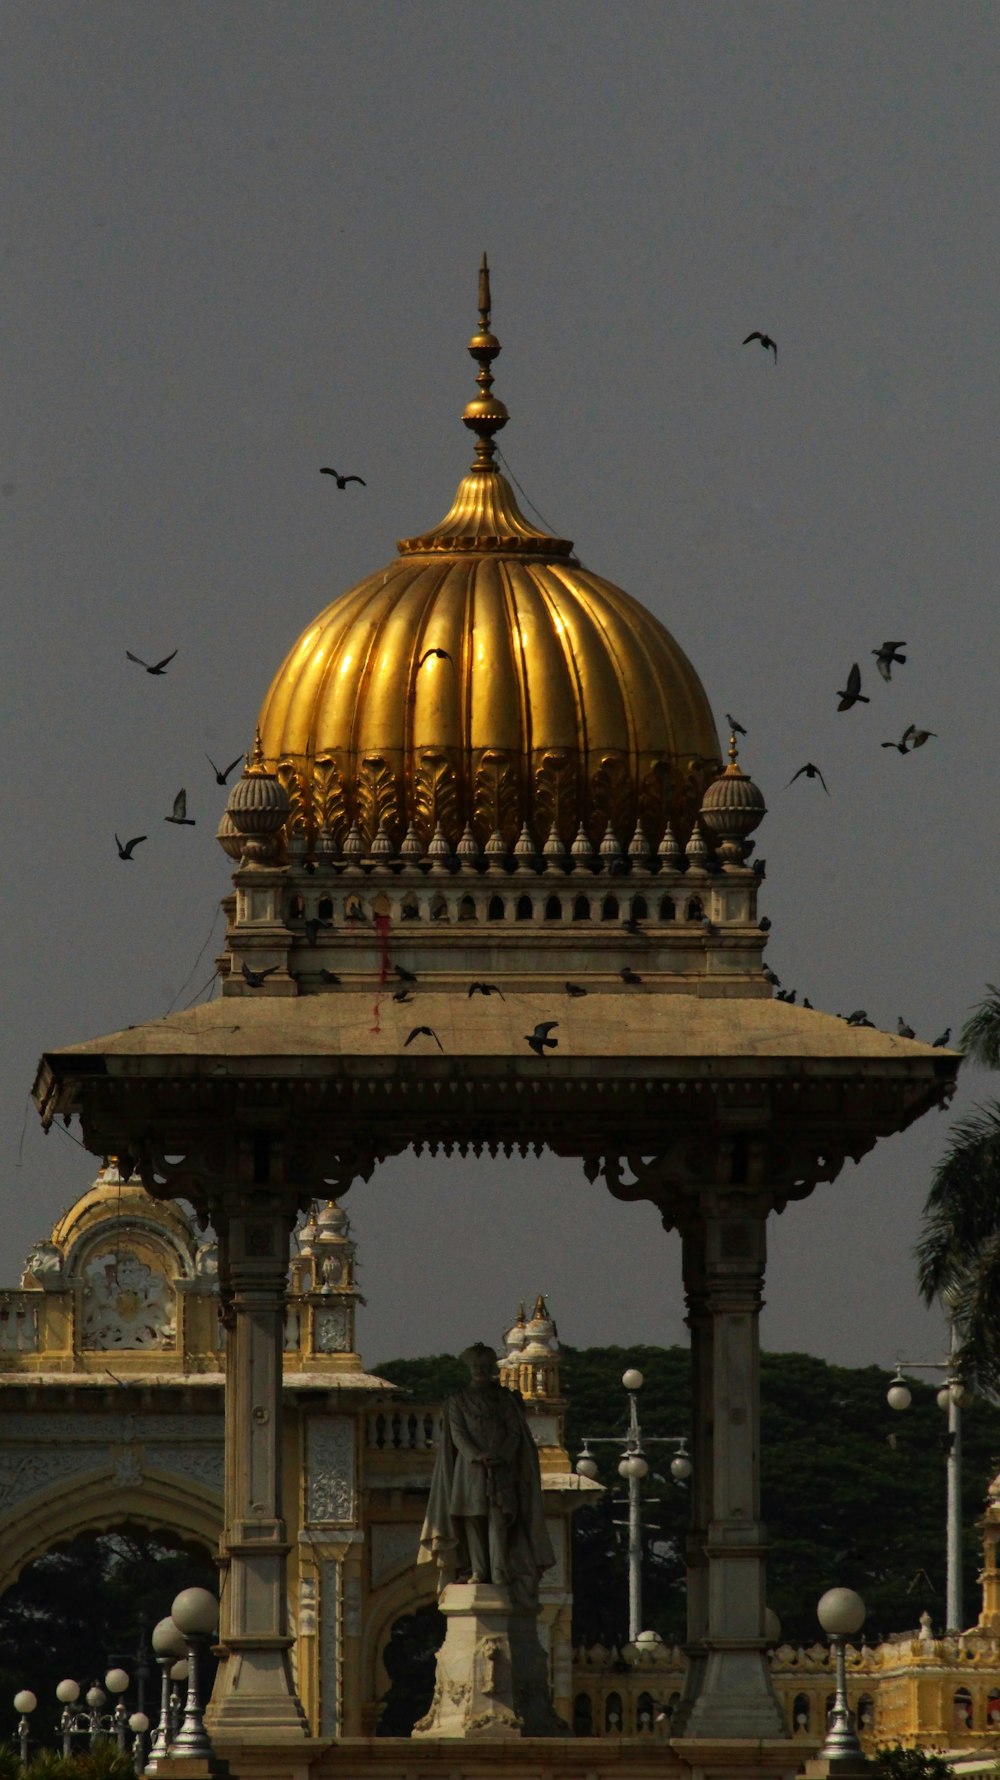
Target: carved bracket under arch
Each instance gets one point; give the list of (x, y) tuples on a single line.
[(688, 1177)]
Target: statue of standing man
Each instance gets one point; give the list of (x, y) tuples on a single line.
[(485, 1520)]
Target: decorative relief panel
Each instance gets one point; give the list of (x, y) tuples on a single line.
[(204, 1465), (329, 1648), (330, 1469), (393, 1548), (27, 1469), (126, 1304), (332, 1330)]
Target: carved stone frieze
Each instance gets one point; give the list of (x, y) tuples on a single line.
[(330, 1470), (332, 1330)]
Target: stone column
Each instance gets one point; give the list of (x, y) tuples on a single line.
[(729, 1692), (254, 1695)]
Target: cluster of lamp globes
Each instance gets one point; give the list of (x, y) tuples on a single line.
[(192, 1620), (634, 1464), (899, 1395)]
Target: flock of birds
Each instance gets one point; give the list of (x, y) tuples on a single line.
[(540, 1040), (178, 815)]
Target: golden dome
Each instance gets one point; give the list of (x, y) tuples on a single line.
[(486, 677)]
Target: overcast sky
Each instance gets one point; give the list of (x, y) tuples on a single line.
[(240, 240)]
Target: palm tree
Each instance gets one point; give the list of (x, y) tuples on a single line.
[(958, 1255)]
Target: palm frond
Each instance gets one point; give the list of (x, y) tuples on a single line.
[(962, 1212), (980, 1038)]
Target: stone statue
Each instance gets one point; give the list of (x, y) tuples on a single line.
[(485, 1520)]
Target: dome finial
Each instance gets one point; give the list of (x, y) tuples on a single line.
[(486, 415), (255, 767), (733, 750)]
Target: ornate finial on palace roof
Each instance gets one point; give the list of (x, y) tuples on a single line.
[(485, 415)]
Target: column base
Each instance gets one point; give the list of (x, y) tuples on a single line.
[(474, 1683), (729, 1695), (254, 1698)]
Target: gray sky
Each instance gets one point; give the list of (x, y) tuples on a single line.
[(239, 241)]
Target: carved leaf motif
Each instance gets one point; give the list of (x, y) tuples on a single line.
[(377, 799), (300, 801), (496, 797), (435, 796), (555, 797), (655, 801), (331, 806), (612, 798)]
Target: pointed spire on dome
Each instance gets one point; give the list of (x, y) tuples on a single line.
[(486, 415), (484, 515), (255, 766)]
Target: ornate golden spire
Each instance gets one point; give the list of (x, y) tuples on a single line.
[(486, 415), (255, 767)]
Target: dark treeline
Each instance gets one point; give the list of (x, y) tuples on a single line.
[(853, 1492)]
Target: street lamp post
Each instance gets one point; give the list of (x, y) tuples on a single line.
[(841, 1613), (91, 1721), (24, 1704), (195, 1613), (633, 1467), (169, 1643), (953, 1397)]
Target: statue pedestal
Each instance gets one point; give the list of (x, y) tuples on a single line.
[(474, 1684)]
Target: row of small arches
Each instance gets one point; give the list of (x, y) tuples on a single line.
[(802, 1707), (646, 1711), (557, 908)]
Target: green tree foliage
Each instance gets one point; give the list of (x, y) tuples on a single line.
[(893, 1762), (853, 1492), (86, 1606), (958, 1256)]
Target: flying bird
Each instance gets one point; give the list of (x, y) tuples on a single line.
[(811, 772), (886, 657), (539, 1040), (629, 976), (575, 989), (222, 773), (402, 995), (485, 989), (852, 694), (312, 927), (340, 480), (157, 667), (329, 976), (180, 815), (437, 654), (423, 1032), (919, 736), (901, 745), (128, 850), (945, 1039), (903, 1029), (405, 976), (256, 977), (765, 340), (736, 728)]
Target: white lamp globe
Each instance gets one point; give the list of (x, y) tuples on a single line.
[(944, 1397), (634, 1465), (586, 1465), (68, 1692), (772, 1625), (961, 1394), (179, 1670), (168, 1639), (25, 1701), (96, 1698), (632, 1379), (139, 1723), (116, 1681), (195, 1612), (680, 1467), (898, 1396), (841, 1612)]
